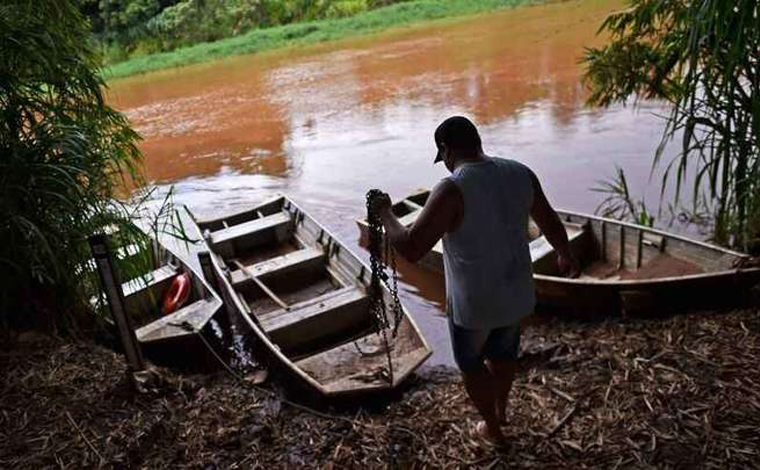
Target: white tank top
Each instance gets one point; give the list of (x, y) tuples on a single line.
[(489, 276)]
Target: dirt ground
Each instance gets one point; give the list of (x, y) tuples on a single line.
[(682, 392)]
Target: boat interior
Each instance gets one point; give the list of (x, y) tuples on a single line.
[(144, 296), (612, 251), (407, 210), (304, 292)]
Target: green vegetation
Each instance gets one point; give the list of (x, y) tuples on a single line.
[(308, 32), (139, 27), (703, 57), (64, 153), (619, 203)]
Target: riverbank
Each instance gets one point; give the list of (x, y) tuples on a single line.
[(680, 392), (297, 34)]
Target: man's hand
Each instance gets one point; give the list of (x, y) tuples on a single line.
[(381, 204), (568, 265), (437, 217)]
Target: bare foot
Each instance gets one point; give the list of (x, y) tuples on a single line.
[(490, 435)]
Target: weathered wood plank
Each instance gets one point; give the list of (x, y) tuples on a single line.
[(297, 260), (412, 205), (149, 280), (267, 208), (194, 316), (543, 254), (270, 222), (319, 318), (310, 307)]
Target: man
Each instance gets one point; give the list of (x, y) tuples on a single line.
[(481, 211)]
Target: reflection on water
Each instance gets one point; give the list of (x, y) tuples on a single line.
[(326, 123)]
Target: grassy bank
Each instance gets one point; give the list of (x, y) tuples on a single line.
[(309, 33)]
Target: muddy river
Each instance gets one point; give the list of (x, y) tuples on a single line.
[(325, 123)]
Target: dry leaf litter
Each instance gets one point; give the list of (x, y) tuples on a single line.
[(682, 392)]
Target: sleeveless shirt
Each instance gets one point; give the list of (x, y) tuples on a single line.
[(487, 263)]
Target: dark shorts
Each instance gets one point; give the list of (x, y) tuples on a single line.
[(471, 347)]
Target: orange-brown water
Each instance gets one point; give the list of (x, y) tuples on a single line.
[(326, 123)]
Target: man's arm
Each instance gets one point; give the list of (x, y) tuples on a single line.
[(553, 229), (438, 216)]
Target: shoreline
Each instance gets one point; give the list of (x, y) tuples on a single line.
[(397, 16)]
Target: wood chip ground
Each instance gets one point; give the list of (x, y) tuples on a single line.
[(682, 392)]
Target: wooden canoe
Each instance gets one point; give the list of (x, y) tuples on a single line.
[(305, 297), (144, 296), (636, 269), (658, 271)]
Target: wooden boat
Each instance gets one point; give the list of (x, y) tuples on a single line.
[(144, 295), (626, 267), (305, 297), (636, 269), (407, 210)]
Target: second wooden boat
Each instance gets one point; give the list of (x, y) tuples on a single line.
[(144, 296), (636, 269), (625, 267), (305, 297)]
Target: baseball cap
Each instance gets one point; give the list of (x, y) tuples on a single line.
[(456, 132)]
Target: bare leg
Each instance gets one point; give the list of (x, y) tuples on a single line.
[(480, 387), (503, 373)]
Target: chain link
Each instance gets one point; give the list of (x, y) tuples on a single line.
[(380, 269), (377, 305)]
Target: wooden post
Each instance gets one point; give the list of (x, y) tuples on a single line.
[(621, 248), (109, 279)]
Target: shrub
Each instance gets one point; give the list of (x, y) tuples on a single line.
[(63, 155)]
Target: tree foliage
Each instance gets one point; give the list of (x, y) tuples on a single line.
[(703, 57), (63, 153), (144, 26)]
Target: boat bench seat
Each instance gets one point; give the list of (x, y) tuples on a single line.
[(195, 315), (150, 280), (295, 261), (412, 205), (542, 253), (250, 234), (315, 322)]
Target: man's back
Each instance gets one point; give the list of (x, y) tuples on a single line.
[(489, 280)]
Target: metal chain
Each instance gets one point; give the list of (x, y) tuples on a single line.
[(377, 306), (398, 313), (379, 269)]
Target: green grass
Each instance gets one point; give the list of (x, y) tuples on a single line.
[(308, 33)]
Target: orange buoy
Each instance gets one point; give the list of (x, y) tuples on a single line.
[(178, 293)]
